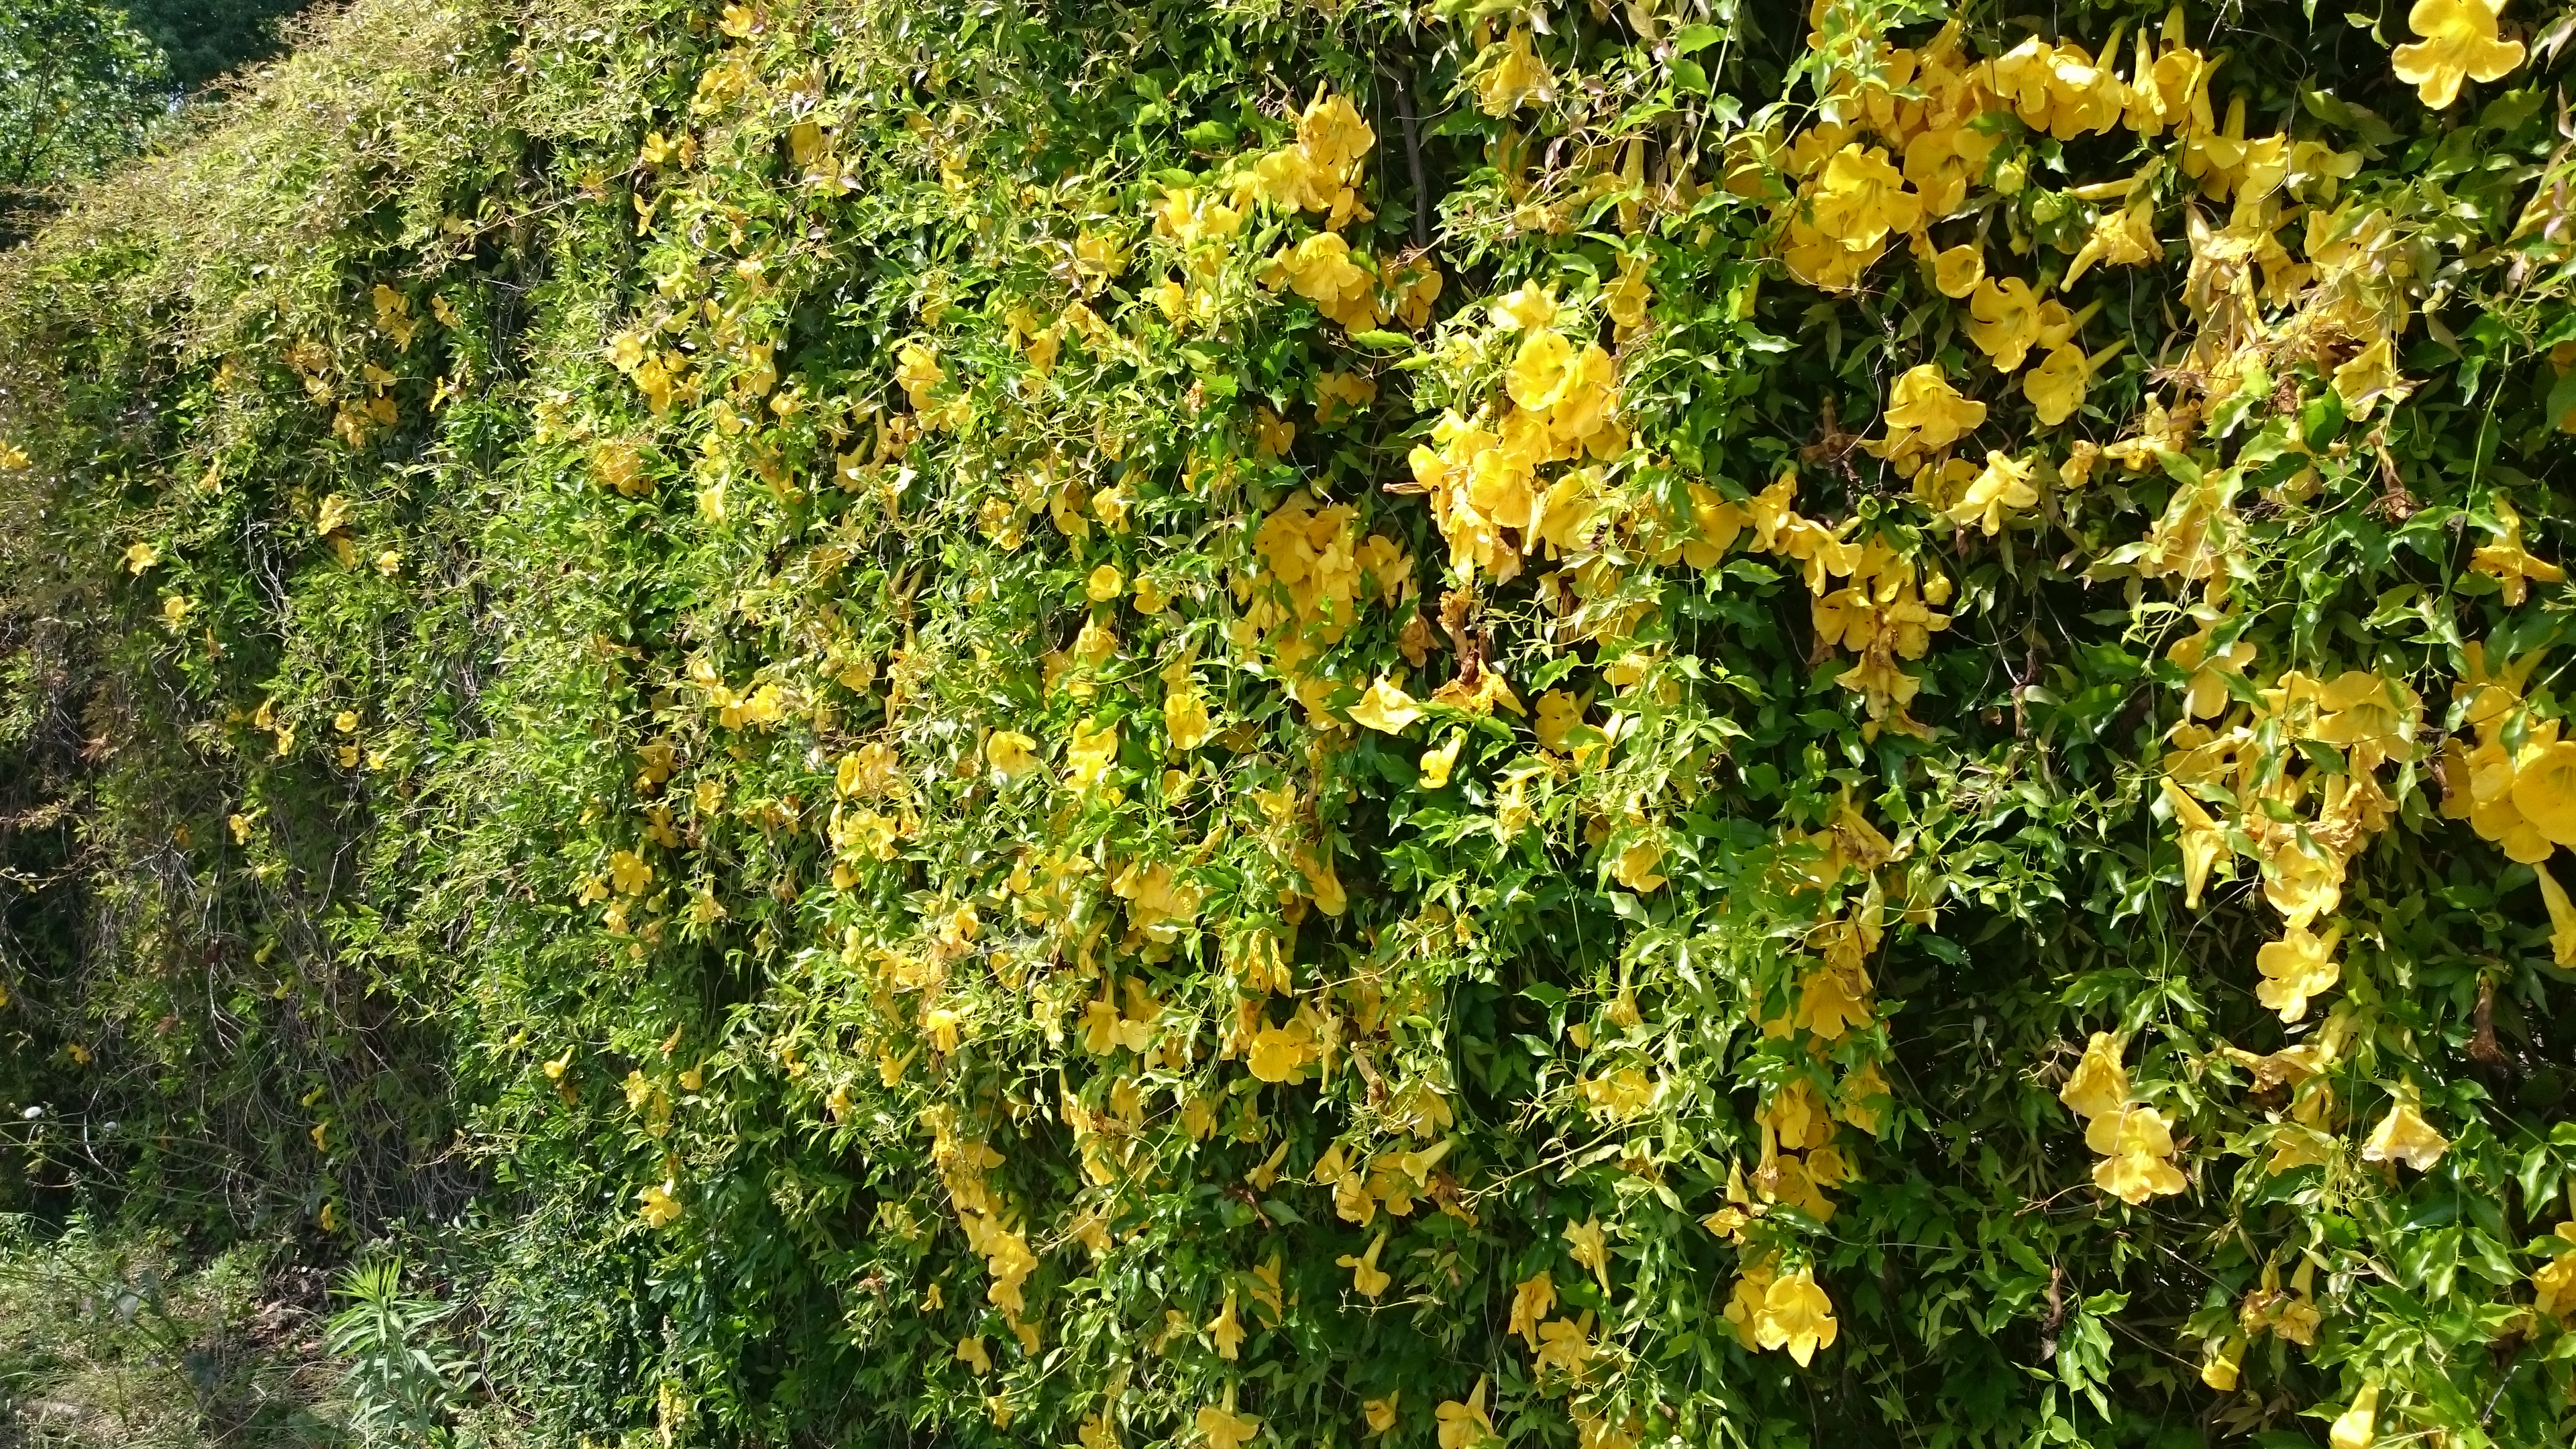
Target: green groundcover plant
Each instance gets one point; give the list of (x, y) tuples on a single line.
[(1132, 723)]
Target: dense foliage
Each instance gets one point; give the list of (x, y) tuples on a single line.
[(206, 39), (80, 87), (1129, 722)]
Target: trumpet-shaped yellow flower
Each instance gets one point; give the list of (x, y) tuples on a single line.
[(2553, 1284), (1516, 78), (1795, 1315), (2369, 376), (2203, 843), (1586, 1243), (1225, 1429), (1960, 270), (1532, 1300), (1862, 197), (2505, 559), (660, 1204), (1186, 719), (1011, 753), (1465, 1425), (2003, 484), (2003, 321), (1437, 763), (1924, 403), (2137, 1147), (2221, 1361), (2056, 387), (2562, 920), (2404, 1136), (2099, 1085), (1367, 1279), (2459, 43), (1565, 1346), (2544, 790), (1386, 708), (2298, 966), (2358, 1426), (1227, 1330), (1634, 867)]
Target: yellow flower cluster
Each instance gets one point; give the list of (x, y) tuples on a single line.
[(1321, 170), (1313, 572), (2135, 1141), (1483, 475), (2242, 763), (1770, 1309), (2523, 799)]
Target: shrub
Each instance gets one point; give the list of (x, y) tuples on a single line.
[(1155, 723)]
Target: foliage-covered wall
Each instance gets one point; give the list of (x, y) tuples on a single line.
[(1129, 723)]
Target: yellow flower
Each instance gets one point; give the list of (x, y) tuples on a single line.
[(2137, 1147), (1380, 1413), (2544, 791), (1532, 1300), (660, 1205), (629, 872), (2553, 1284), (1385, 708), (1626, 296), (2124, 238), (2004, 484), (1224, 1429), (2003, 321), (1540, 370), (1186, 719), (2562, 920), (1104, 584), (2358, 1426), (1861, 197), (1227, 1330), (2404, 1136), (2459, 43), (1634, 867), (2221, 1361), (1465, 1425), (1517, 77), (1336, 392), (1526, 308), (2203, 843), (1367, 1279), (1586, 1242), (2370, 374), (1564, 1344), (917, 372), (1090, 753), (1923, 402), (1436, 763), (2056, 387), (1958, 271), (970, 1352), (1279, 1053), (2296, 967), (140, 557), (1559, 713), (2505, 559), (1795, 1315), (2099, 1085), (1012, 753)]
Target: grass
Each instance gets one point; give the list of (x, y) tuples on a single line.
[(115, 1337)]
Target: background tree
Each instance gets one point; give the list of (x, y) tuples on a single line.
[(79, 88)]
